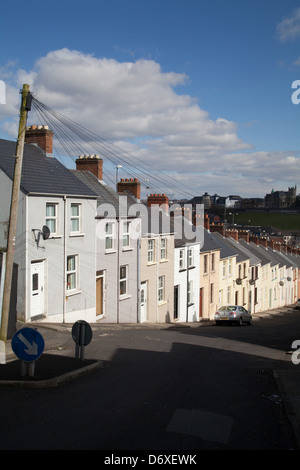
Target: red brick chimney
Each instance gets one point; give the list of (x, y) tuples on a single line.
[(92, 163), (206, 222), (218, 228), (40, 135), (132, 186), (232, 233), (264, 242), (158, 199), (244, 234)]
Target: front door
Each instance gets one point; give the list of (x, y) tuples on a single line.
[(143, 301), (37, 289), (99, 293)]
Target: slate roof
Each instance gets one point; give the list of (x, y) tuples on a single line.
[(256, 251), (209, 243), (105, 194), (240, 255), (254, 260), (41, 174), (225, 250)]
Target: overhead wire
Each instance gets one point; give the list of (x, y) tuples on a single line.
[(74, 139)]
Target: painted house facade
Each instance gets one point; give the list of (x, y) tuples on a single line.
[(55, 244), (118, 237)]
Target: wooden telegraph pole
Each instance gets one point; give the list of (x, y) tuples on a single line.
[(25, 107)]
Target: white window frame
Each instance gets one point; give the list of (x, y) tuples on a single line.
[(52, 218), (151, 251), (75, 217), (123, 280), (190, 292), (126, 234), (110, 236), (72, 272), (161, 289), (181, 259), (163, 249), (190, 257), (205, 264)]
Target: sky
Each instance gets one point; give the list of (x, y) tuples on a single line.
[(201, 90)]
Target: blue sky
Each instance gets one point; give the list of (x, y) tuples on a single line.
[(201, 88)]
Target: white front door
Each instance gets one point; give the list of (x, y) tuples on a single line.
[(143, 301), (37, 288)]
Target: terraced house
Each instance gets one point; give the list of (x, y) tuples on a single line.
[(86, 251)]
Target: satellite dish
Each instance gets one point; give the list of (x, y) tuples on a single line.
[(45, 232)]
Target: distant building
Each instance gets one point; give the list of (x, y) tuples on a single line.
[(280, 199)]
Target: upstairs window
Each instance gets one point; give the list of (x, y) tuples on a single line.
[(51, 217), (75, 218), (150, 251), (109, 236)]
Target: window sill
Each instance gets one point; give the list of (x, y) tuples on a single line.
[(163, 302), (127, 248), (108, 252), (77, 234), (73, 292), (125, 297)]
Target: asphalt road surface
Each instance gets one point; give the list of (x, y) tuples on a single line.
[(181, 389)]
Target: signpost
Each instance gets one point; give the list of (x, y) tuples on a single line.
[(82, 335), (28, 345)]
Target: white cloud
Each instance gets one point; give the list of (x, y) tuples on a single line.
[(138, 106), (289, 28)]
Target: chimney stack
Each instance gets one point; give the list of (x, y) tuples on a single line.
[(92, 163), (132, 186), (158, 199), (40, 135)]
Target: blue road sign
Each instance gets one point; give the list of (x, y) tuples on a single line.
[(28, 344)]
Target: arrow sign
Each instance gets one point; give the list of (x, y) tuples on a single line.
[(28, 344)]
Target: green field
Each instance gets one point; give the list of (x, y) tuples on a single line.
[(283, 221)]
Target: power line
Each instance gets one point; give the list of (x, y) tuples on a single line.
[(75, 139)]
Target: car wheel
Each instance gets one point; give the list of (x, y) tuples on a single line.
[(217, 322), (240, 321), (250, 321)]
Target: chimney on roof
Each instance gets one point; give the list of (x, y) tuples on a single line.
[(92, 163), (40, 135), (233, 233), (132, 186), (160, 200)]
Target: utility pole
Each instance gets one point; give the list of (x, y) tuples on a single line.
[(25, 107)]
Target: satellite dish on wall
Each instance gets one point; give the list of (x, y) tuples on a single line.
[(45, 232)]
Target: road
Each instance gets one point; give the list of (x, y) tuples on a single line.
[(164, 389)]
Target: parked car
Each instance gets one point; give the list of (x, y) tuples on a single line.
[(233, 314), (297, 304)]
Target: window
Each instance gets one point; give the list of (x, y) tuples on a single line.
[(190, 257), (51, 217), (126, 226), (224, 269), (163, 249), (205, 267), (211, 293), (72, 272), (109, 236), (181, 259), (75, 217), (190, 292), (161, 288), (123, 280), (212, 262), (229, 295), (229, 267), (150, 251)]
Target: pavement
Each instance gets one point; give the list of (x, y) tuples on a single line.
[(58, 365)]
